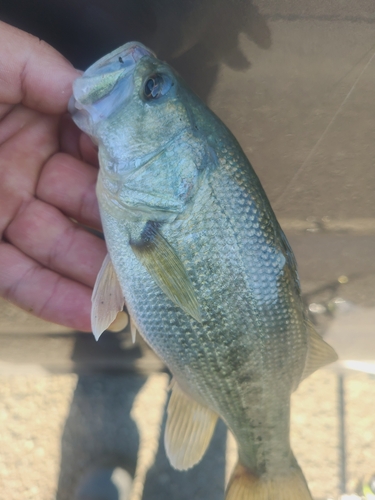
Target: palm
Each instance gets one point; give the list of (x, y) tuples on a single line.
[(48, 263)]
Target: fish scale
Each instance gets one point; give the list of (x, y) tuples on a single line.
[(177, 355), (211, 235), (207, 274)]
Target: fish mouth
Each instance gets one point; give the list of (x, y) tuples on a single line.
[(99, 80)]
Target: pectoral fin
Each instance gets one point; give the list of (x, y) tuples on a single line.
[(189, 429), (133, 329), (161, 261), (319, 352), (107, 298)]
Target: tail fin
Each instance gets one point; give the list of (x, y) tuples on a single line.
[(244, 485)]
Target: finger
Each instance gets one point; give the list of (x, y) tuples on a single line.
[(27, 139), (5, 109), (70, 137), (32, 72), (43, 233), (88, 150), (69, 184), (77, 143), (42, 292)]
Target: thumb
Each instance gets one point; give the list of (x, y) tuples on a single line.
[(33, 73)]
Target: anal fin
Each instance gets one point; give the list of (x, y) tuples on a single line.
[(189, 429)]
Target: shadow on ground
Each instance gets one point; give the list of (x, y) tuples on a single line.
[(205, 480), (99, 431)]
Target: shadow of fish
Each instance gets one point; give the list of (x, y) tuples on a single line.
[(207, 274)]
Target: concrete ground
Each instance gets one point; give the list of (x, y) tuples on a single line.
[(57, 427), (301, 102)]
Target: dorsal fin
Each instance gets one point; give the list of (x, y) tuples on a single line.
[(107, 298), (319, 353)]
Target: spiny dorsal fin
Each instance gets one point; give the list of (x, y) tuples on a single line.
[(166, 268), (319, 353), (107, 298), (188, 431)]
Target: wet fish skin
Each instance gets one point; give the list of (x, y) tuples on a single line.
[(207, 274)]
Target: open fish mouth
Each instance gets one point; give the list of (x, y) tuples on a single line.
[(106, 81)]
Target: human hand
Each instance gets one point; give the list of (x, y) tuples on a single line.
[(48, 263)]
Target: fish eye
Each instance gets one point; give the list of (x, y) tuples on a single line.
[(153, 87), (156, 86)]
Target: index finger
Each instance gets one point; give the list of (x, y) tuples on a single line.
[(32, 72), (69, 185)]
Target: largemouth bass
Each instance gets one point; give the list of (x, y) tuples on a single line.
[(207, 275)]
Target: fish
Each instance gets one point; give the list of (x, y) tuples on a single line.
[(196, 254)]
